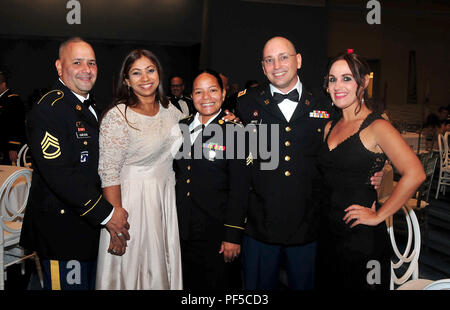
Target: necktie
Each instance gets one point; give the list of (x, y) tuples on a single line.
[(293, 95), (199, 127), (175, 103), (89, 102)]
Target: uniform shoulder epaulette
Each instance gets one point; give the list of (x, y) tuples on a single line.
[(52, 97), (186, 118), (242, 93), (13, 95), (235, 123)]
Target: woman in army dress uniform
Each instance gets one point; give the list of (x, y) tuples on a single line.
[(210, 185)]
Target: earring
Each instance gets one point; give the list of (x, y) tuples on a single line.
[(328, 91)]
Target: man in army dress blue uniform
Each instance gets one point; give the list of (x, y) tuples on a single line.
[(281, 220), (66, 208), (282, 217)]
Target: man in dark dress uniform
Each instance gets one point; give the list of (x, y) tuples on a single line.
[(66, 208), (12, 122), (281, 221), (178, 99), (211, 177), (282, 217)]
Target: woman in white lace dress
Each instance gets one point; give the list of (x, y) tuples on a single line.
[(138, 136)]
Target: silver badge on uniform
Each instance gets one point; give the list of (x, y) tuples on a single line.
[(212, 155)]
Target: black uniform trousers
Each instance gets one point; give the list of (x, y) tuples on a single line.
[(203, 266)]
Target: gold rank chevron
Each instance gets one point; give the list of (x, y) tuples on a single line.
[(249, 159), (47, 142)]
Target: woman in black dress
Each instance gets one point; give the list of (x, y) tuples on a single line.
[(354, 249)]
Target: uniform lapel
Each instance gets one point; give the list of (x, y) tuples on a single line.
[(214, 121), (87, 115), (81, 110), (302, 106), (265, 100)]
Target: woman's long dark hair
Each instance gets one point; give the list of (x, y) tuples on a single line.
[(124, 94), (359, 68)]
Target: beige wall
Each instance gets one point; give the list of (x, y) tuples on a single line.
[(419, 28)]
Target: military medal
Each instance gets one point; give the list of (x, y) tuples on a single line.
[(212, 154), (213, 147), (266, 101), (307, 102), (319, 114)]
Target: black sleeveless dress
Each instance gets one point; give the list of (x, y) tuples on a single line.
[(355, 258)]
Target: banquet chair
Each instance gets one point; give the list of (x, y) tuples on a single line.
[(421, 199), (22, 157), (11, 217), (409, 259), (444, 165)]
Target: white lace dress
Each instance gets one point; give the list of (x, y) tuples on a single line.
[(140, 160)]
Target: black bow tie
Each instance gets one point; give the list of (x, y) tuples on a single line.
[(293, 95), (89, 102)]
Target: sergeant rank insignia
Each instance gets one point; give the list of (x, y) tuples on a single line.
[(242, 93), (249, 159), (319, 114), (50, 146)]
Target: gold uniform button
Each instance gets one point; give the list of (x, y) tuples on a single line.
[(188, 194), (287, 143), (188, 167), (62, 211), (288, 129), (188, 181), (287, 158), (85, 142), (319, 130), (287, 173)]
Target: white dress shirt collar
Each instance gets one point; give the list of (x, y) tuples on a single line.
[(196, 122), (287, 106), (81, 98), (298, 85)]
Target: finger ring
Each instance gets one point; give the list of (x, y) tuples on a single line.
[(114, 251), (119, 234)]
